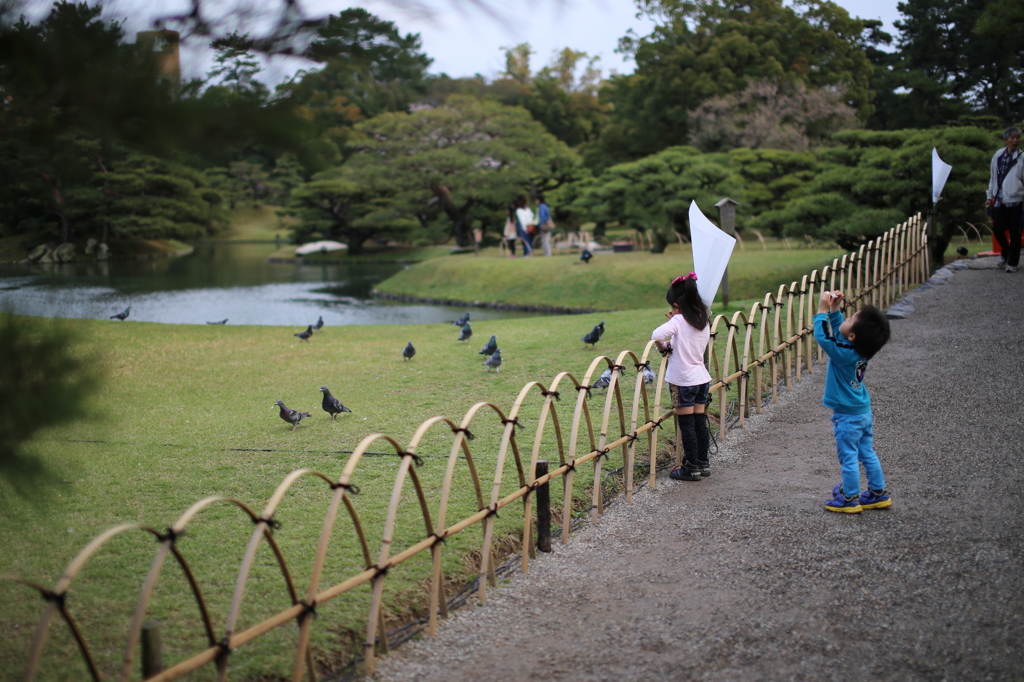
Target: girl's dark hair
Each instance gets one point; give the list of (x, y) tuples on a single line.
[(871, 331), (685, 295)]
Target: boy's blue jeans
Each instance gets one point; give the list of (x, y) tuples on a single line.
[(854, 446)]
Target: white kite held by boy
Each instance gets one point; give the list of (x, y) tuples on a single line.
[(940, 173), (712, 249)]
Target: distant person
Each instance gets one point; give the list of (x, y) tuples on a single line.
[(526, 221), (687, 331), (1005, 198), (545, 223), (511, 230), (849, 345)]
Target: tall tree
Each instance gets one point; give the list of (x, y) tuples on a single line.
[(465, 159), (705, 49), (971, 50)]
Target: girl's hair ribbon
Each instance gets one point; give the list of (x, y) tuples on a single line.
[(683, 278)]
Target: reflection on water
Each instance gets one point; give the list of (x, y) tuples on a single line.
[(216, 281)]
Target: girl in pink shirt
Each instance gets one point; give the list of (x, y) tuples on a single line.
[(684, 338)]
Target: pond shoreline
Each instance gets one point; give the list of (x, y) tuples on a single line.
[(80, 260), (554, 310)]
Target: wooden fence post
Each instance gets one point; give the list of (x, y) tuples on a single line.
[(543, 509), (152, 649)]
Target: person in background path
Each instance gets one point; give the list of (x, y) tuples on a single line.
[(511, 230), (849, 345), (689, 329), (1005, 198), (525, 218), (545, 223)]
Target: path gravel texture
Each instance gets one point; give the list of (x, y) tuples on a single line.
[(745, 576)]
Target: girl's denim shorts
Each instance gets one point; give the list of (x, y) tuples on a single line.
[(688, 396)]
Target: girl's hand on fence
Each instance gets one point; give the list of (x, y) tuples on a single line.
[(825, 301), (837, 299)]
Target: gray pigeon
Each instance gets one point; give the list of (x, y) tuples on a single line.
[(466, 332), (649, 375), (408, 351), (603, 381), (291, 416), (592, 337), (585, 255), (491, 346), (319, 324), (122, 316), (331, 405), (599, 328), (461, 322), (306, 334), (224, 321), (494, 361)]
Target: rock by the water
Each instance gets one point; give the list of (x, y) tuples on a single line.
[(90, 246), (102, 252), (65, 253), (38, 252)]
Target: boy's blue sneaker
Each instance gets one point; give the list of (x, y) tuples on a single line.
[(875, 499), (841, 503)]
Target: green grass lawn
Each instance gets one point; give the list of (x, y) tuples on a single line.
[(188, 411), (619, 281)]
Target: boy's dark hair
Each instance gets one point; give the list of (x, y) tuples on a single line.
[(685, 295), (871, 331)]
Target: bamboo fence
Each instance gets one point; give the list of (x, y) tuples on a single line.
[(769, 346)]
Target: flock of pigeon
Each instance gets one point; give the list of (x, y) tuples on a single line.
[(330, 405), (317, 326)]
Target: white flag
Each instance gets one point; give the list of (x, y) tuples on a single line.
[(712, 249), (940, 173)]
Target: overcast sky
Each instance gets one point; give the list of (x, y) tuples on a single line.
[(465, 40)]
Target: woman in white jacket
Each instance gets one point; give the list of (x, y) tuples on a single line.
[(525, 218), (1005, 198)]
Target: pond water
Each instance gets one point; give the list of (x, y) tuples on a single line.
[(218, 281)]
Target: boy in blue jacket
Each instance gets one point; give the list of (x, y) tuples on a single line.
[(849, 345)]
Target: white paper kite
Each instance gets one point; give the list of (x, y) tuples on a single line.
[(712, 249), (940, 173)]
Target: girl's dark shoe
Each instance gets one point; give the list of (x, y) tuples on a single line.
[(685, 473)]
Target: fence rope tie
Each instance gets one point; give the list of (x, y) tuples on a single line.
[(762, 306), (780, 304), (556, 394), (224, 648), (379, 571), (745, 373), (417, 460), (514, 422), (51, 597), (459, 429), (438, 539), (170, 536), (581, 387), (666, 351), (714, 334), (640, 366), (656, 424), (730, 325), (270, 521), (618, 367), (633, 437), (354, 489), (603, 452), (492, 510), (725, 384), (570, 465), (751, 324), (308, 609)]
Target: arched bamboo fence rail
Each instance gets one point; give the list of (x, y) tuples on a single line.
[(778, 352)]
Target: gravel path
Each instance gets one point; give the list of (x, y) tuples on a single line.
[(745, 576)]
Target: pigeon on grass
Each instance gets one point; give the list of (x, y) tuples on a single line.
[(599, 328), (224, 321), (122, 315), (306, 334), (490, 347), (592, 337), (962, 250), (604, 381), (319, 324), (494, 361), (331, 405), (291, 416), (649, 375), (466, 332), (408, 351), (462, 321), (585, 256)]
